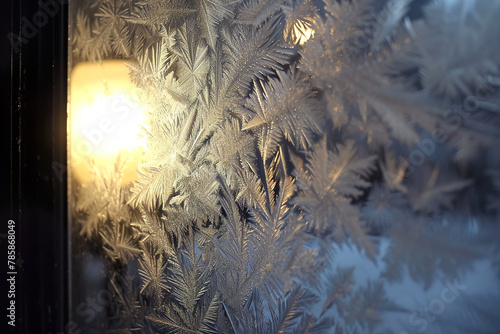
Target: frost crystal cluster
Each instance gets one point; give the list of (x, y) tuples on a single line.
[(305, 160)]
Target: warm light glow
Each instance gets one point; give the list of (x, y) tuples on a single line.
[(110, 123), (302, 32), (307, 34), (106, 119)]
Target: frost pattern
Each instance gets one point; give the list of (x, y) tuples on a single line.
[(267, 154)]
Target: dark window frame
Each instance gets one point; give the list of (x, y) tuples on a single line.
[(34, 98)]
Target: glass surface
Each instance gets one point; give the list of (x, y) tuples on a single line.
[(284, 166)]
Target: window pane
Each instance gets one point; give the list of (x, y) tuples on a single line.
[(284, 166)]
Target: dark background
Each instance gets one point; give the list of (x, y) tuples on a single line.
[(33, 187)]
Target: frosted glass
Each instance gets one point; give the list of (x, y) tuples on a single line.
[(285, 166)]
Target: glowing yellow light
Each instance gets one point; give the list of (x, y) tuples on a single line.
[(110, 123), (301, 31), (306, 35), (105, 119)]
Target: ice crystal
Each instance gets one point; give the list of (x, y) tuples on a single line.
[(271, 147)]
